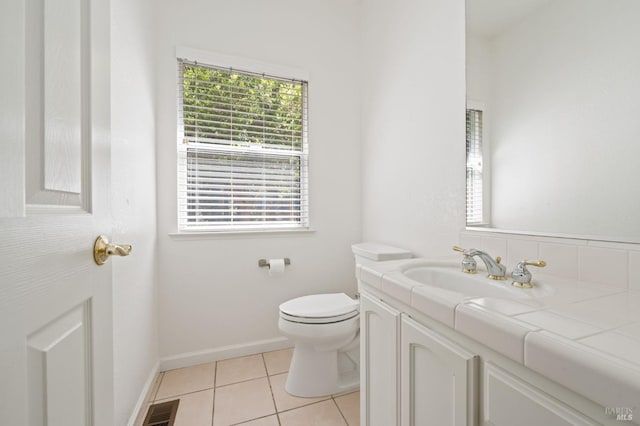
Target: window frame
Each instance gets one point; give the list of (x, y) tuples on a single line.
[(249, 66)]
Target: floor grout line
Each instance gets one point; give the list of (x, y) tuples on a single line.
[(213, 403), (185, 394), (306, 405), (213, 406), (155, 393), (215, 374), (241, 381), (273, 398), (340, 410), (253, 420)]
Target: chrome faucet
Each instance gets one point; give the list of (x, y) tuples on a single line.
[(494, 268)]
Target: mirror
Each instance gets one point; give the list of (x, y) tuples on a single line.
[(558, 84)]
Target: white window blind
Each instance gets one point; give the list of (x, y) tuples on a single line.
[(474, 167), (242, 150)]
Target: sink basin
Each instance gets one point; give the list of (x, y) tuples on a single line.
[(449, 277)]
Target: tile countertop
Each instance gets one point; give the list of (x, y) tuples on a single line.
[(584, 336)]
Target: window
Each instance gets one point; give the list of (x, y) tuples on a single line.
[(242, 150), (474, 167)]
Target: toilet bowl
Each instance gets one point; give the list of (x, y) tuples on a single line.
[(325, 330)]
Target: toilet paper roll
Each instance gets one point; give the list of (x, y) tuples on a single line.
[(276, 266)]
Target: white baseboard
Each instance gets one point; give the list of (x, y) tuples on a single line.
[(144, 397), (224, 352)]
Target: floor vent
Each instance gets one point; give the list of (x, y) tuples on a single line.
[(162, 414)]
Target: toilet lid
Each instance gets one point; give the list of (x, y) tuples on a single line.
[(320, 306)]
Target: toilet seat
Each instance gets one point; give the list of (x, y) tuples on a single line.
[(319, 308), (323, 320)]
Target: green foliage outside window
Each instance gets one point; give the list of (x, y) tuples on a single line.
[(222, 106)]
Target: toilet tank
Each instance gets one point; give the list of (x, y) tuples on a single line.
[(367, 253)]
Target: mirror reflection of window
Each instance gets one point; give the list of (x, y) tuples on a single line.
[(560, 92), (474, 167)]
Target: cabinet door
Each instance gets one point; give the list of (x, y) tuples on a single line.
[(510, 401), (379, 326), (438, 379)]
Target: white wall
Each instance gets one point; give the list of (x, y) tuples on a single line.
[(212, 293), (478, 67), (565, 120), (134, 201), (413, 123)]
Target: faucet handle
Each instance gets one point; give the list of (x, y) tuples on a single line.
[(538, 263), (468, 264), (461, 250), (521, 275)]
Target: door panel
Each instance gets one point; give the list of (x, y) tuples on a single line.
[(438, 379), (12, 102), (379, 327), (57, 103), (58, 370), (55, 302), (434, 384), (63, 94)]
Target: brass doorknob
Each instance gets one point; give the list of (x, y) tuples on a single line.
[(102, 249)]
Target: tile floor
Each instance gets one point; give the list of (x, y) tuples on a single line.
[(249, 391)]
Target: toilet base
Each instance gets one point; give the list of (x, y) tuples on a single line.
[(314, 373)]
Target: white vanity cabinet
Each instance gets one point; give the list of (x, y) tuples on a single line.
[(508, 400), (405, 365), (437, 379), (413, 375), (379, 333)]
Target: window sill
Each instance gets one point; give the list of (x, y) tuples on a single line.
[(268, 233)]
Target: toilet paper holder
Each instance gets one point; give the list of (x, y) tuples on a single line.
[(264, 262)]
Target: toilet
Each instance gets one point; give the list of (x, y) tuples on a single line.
[(325, 331)]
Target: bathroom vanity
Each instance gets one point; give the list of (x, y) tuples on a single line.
[(439, 347)]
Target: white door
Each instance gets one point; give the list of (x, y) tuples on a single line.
[(438, 379), (55, 302)]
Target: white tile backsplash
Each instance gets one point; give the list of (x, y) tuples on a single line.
[(604, 265), (613, 264), (518, 250), (470, 241), (562, 259), (603, 269), (495, 247)]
